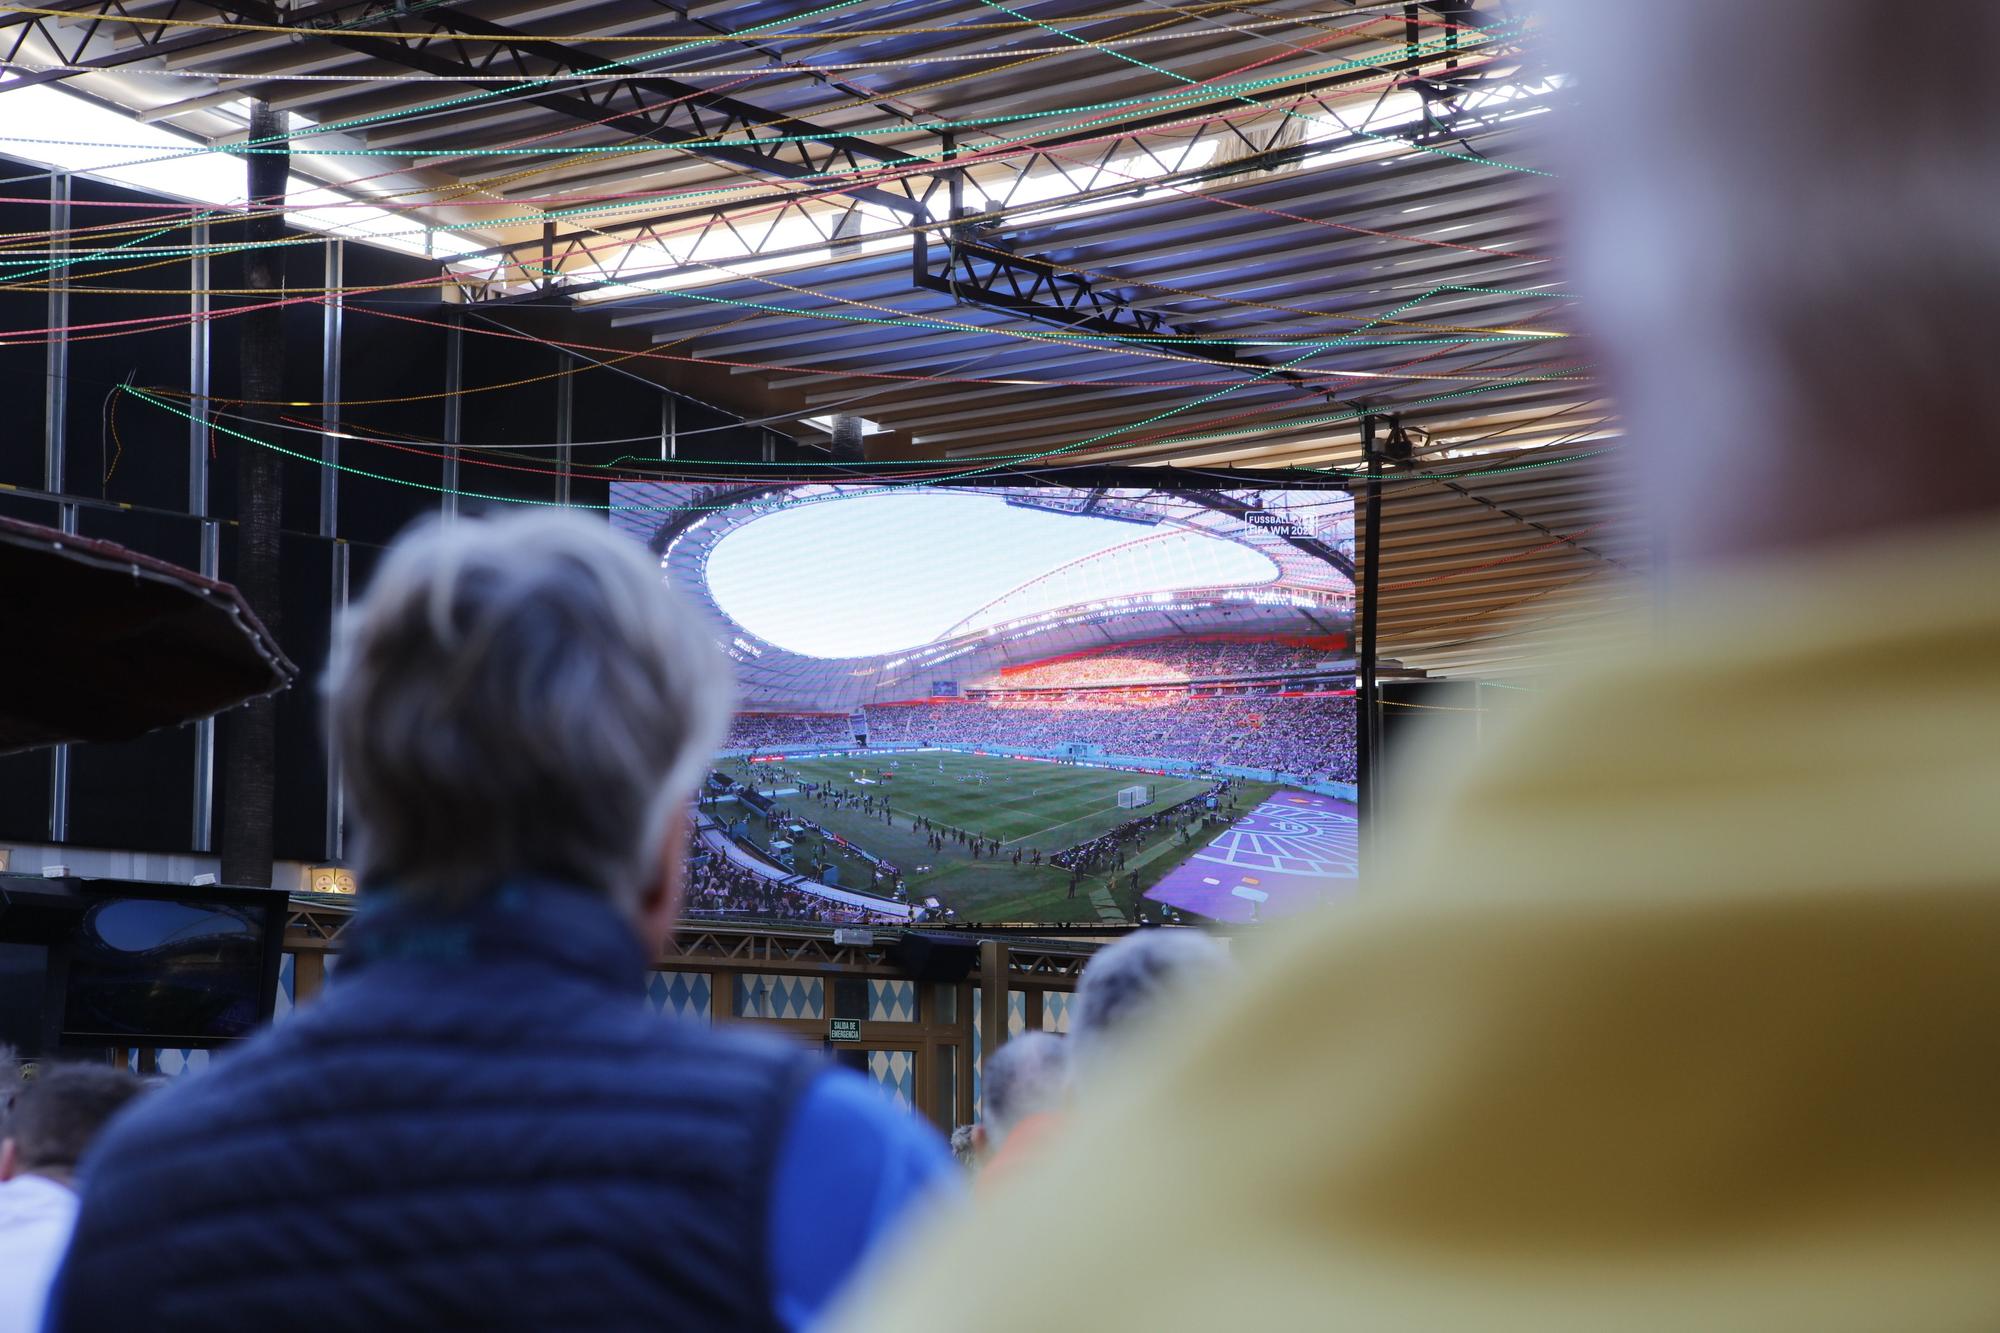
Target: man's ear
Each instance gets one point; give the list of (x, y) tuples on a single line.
[(659, 904), (10, 1159)]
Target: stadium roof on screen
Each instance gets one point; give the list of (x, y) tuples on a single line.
[(836, 595)]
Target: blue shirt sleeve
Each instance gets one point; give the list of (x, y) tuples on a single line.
[(851, 1164)]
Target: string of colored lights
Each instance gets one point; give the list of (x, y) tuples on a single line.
[(779, 368), (460, 493), (996, 464), (763, 32), (1053, 451), (909, 471)]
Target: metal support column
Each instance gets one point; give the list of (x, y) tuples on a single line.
[(211, 533), (565, 425), (204, 730), (670, 442), (55, 397), (332, 311), (249, 738), (55, 441), (454, 409), (198, 315), (332, 347), (1368, 735), (336, 793)]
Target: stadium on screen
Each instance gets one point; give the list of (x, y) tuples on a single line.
[(1008, 703)]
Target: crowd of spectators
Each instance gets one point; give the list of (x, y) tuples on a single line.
[(1310, 736), (1107, 851), (718, 887), (763, 731), (1171, 662)]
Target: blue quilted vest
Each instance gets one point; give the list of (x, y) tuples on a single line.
[(478, 1126)]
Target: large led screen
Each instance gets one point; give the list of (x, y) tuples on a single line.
[(1010, 703)]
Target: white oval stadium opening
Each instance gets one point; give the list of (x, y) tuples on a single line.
[(886, 571)]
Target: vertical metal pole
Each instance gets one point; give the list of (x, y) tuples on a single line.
[(336, 795), (249, 740), (1368, 734), (332, 311), (332, 345), (55, 441), (211, 534), (565, 422), (454, 409), (956, 186), (198, 314), (669, 427), (204, 730)]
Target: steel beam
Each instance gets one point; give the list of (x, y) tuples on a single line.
[(923, 180), (143, 41)]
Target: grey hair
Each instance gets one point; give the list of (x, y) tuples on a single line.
[(521, 696), (1127, 982), (1028, 1074)]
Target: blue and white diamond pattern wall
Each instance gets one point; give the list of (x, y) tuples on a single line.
[(892, 1001), (895, 1072), (679, 994), (1055, 1011), (172, 1061), (1017, 1013), (780, 997), (977, 1061), (288, 965)]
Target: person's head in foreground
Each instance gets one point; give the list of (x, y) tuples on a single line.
[(1126, 985), (44, 1132), (1028, 1076), (57, 1114), (1674, 1007), (525, 698), (479, 1118)]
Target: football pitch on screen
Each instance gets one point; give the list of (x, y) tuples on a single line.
[(1025, 804)]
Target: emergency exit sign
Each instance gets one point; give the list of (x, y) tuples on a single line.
[(844, 1029)]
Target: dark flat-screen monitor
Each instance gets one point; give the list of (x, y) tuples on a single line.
[(124, 963), (1067, 700), (24, 967)]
